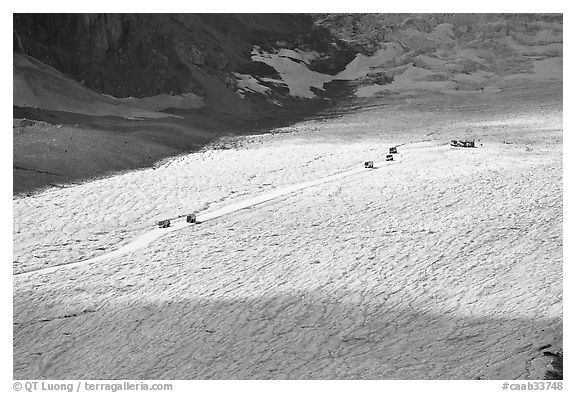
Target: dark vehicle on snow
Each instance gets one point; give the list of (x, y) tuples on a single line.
[(164, 224), (456, 143)]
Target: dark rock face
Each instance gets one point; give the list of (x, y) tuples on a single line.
[(116, 54), (147, 54), (366, 31)]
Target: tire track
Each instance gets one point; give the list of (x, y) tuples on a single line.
[(154, 234)]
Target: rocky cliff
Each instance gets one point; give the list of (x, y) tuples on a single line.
[(142, 55)]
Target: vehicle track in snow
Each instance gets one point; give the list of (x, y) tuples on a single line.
[(156, 233)]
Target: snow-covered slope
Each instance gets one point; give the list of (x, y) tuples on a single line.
[(37, 85), (446, 263)]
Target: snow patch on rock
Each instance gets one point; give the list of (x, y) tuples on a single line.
[(362, 65), (300, 55), (295, 75), (248, 82)]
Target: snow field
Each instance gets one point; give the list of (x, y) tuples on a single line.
[(440, 271), (447, 264), (61, 227)]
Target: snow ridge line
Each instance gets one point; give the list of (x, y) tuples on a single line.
[(154, 234)]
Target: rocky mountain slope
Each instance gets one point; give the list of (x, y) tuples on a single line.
[(449, 52), (223, 59), (145, 55)]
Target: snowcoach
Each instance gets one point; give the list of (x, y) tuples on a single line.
[(389, 157), (393, 150), (369, 164), (456, 143), (164, 224)]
